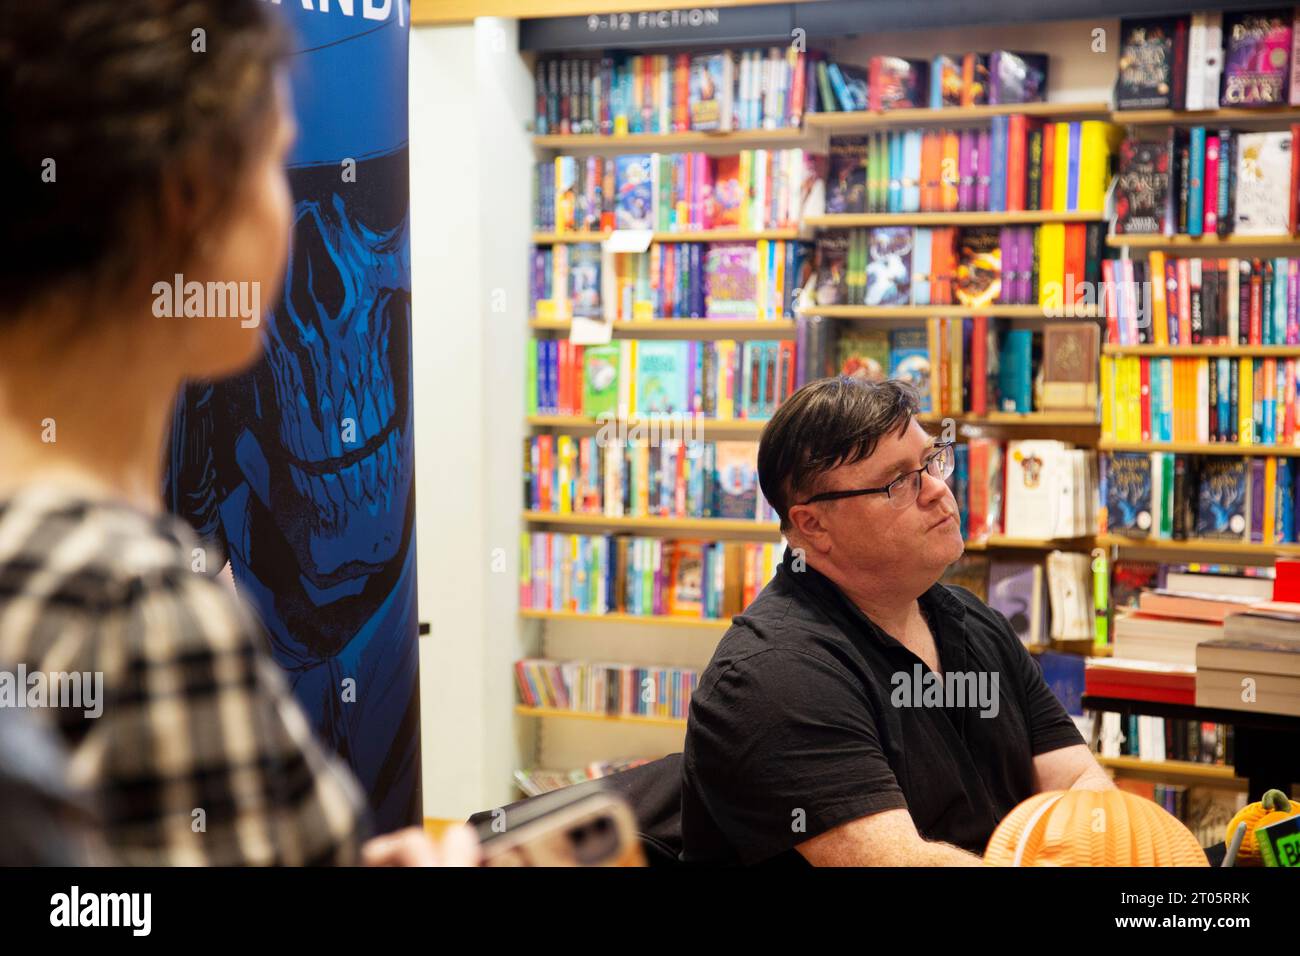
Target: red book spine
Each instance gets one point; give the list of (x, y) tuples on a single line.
[(1049, 161), (1211, 204), (798, 89), (1075, 252), (682, 93), (1160, 695), (1112, 301), (1293, 211), (1146, 399), (979, 365), (1017, 146), (873, 84), (1256, 317)]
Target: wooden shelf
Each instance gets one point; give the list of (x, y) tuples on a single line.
[(1201, 448), (1169, 768), (1264, 114), (1201, 351), (952, 116), (1200, 242), (1027, 419), (851, 220), (699, 235), (612, 718), (1084, 647), (656, 620), (920, 312), (995, 541), (693, 428), (673, 527), (674, 142), (1197, 545), (692, 328)]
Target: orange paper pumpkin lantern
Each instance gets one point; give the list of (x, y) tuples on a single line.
[(1092, 828)]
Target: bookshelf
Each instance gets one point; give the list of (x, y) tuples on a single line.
[(698, 428), (1204, 243), (921, 312), (1236, 449), (1173, 769), (713, 625), (865, 122), (661, 526), (683, 328), (633, 719), (1199, 546), (1264, 115), (675, 142), (698, 235), (1199, 351), (1029, 217)]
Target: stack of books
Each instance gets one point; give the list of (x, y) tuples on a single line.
[(1255, 664)]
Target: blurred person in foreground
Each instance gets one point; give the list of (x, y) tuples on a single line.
[(130, 160)]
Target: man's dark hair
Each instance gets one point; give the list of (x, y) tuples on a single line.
[(827, 423), (148, 136)]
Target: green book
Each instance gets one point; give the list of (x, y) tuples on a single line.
[(530, 386), (600, 381)]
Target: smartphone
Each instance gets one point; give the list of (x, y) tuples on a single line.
[(573, 826)]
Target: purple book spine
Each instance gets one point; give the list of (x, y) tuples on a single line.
[(984, 175), (994, 62), (1257, 502), (965, 172)]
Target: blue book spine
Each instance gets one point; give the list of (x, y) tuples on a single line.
[(1196, 188), (1072, 177), (1224, 377), (839, 86), (1167, 413), (912, 194), (936, 83), (921, 245), (998, 164), (895, 155)]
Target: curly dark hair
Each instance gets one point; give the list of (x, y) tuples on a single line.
[(124, 132)]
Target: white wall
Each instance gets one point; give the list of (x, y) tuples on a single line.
[(469, 217)]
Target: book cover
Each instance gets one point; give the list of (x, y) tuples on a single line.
[(600, 380), (1221, 498), (661, 369), (1263, 183), (634, 202), (864, 355), (1016, 592), (1070, 365), (1017, 77), (736, 480), (975, 79), (945, 82), (1145, 191), (584, 279), (846, 183), (1128, 494), (852, 89), (1148, 62), (728, 194), (731, 270), (832, 255), (898, 83), (686, 579), (1257, 58), (979, 266), (709, 91), (909, 360), (889, 266)]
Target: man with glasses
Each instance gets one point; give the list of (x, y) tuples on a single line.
[(810, 739)]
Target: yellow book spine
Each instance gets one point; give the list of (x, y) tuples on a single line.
[(1270, 498), (726, 393), (1061, 167), (1094, 164), (778, 307), (1051, 268), (1159, 304), (1246, 401), (1134, 403)]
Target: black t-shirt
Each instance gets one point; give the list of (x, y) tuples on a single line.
[(799, 724)]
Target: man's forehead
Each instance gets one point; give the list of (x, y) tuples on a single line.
[(893, 448)]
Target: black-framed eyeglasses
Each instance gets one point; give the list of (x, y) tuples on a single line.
[(904, 489)]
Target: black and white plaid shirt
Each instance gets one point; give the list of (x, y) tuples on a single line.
[(201, 755)]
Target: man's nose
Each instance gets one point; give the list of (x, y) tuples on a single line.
[(932, 488)]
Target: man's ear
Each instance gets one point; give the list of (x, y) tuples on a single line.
[(807, 521)]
